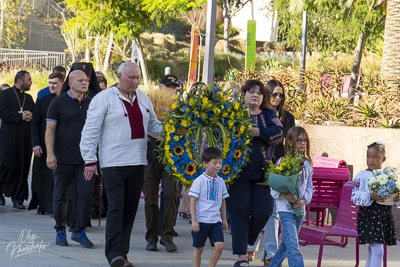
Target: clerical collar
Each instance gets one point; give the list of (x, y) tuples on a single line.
[(17, 89)]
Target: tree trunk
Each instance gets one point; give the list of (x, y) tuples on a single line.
[(391, 49), (143, 65), (227, 21), (357, 62), (3, 7), (108, 53), (97, 52), (87, 50)]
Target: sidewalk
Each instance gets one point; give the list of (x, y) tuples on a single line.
[(13, 222)]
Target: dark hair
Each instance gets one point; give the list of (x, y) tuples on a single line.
[(211, 153), (4, 86), (60, 69), (380, 147), (249, 84), (20, 76), (102, 79), (194, 89), (99, 73), (57, 75), (292, 135), (269, 87)]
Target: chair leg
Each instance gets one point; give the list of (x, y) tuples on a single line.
[(357, 253), (384, 256), (321, 250)]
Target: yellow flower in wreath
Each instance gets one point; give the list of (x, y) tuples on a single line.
[(237, 154), (190, 169), (226, 169), (178, 150)]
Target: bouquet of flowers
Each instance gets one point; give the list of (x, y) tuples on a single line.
[(206, 118), (386, 182), (285, 177)]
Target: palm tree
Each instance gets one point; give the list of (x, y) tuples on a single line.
[(391, 47)]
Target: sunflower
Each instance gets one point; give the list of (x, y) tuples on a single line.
[(237, 133), (190, 169), (226, 169), (237, 154), (181, 131), (178, 150)]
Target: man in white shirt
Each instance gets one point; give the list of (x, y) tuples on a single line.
[(119, 120)]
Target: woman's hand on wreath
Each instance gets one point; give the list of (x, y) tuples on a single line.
[(289, 197)]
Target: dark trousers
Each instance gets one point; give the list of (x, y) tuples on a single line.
[(153, 175), (123, 186), (249, 205), (63, 177)]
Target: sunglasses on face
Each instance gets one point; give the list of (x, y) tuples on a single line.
[(275, 95)]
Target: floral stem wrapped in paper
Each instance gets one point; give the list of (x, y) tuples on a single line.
[(285, 176), (386, 182)]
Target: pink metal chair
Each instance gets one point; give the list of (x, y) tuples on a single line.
[(328, 184), (329, 162), (345, 226)]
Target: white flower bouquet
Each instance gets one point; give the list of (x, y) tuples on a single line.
[(386, 182)]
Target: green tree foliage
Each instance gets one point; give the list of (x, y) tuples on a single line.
[(11, 29)]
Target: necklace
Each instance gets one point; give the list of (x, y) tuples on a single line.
[(19, 102)]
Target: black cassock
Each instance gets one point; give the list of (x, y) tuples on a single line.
[(42, 177), (15, 143)]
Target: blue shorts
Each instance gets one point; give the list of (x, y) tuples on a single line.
[(211, 230)]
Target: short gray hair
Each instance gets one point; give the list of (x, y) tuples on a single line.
[(123, 65)]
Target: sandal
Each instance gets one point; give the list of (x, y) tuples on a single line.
[(239, 263), (251, 255)]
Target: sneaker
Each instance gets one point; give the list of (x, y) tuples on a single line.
[(169, 245), (151, 246), (82, 239), (61, 238), (184, 217)]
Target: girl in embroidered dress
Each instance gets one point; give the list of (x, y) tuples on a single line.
[(296, 139), (375, 222)]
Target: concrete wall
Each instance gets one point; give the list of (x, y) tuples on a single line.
[(350, 144)]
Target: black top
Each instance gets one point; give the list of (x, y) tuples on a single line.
[(271, 132), (70, 115), (38, 123), (288, 123)]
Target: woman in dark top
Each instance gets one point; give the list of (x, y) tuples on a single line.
[(250, 204)]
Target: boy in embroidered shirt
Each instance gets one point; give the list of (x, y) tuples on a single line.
[(207, 204)]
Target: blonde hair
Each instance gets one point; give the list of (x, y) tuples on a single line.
[(292, 135)]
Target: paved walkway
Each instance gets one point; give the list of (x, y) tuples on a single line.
[(13, 222)]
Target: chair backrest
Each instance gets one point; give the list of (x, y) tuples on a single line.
[(347, 213), (328, 184), (326, 162)]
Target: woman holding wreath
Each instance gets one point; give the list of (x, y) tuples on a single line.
[(250, 203)]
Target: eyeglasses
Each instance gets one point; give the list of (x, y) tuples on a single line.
[(301, 141), (275, 95)]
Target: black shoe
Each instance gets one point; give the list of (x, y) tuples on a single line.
[(18, 204), (151, 246), (117, 262), (169, 245), (2, 200), (40, 211), (175, 234)]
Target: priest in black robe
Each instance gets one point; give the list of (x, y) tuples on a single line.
[(16, 108), (42, 176)]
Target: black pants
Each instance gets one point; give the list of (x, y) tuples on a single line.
[(152, 179), (123, 186), (249, 205), (63, 177)]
